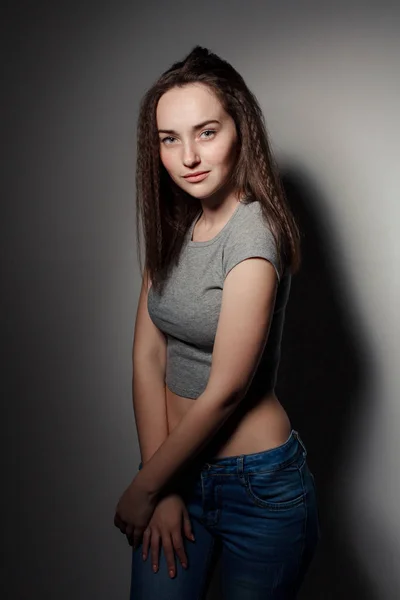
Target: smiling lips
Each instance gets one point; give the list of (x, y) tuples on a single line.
[(197, 177)]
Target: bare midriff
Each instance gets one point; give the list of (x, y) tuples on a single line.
[(262, 425)]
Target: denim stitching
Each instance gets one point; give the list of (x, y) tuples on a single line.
[(301, 443), (277, 467), (275, 506), (264, 452), (278, 506)]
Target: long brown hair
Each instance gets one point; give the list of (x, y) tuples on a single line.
[(166, 210)]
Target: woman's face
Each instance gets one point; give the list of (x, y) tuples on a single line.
[(196, 134)]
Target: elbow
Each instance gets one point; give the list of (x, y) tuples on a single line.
[(224, 397)]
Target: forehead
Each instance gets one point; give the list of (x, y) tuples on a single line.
[(187, 105)]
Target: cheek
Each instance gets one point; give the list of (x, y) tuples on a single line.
[(221, 154), (167, 160)]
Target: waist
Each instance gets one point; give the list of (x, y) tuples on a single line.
[(178, 405), (257, 424)]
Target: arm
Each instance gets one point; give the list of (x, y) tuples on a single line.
[(148, 391), (148, 379), (247, 305)]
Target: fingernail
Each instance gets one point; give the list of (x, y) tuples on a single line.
[(155, 568), (171, 573), (184, 565), (192, 537), (144, 556)]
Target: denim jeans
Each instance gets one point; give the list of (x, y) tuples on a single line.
[(256, 513)]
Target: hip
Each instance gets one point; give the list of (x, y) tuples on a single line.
[(265, 502), (260, 509)]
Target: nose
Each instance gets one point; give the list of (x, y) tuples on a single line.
[(190, 155)]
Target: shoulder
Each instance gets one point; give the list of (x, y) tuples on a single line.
[(250, 236)]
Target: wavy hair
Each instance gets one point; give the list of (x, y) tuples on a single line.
[(166, 210)]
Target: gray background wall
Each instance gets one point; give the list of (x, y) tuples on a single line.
[(326, 75)]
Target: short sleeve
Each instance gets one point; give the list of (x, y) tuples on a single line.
[(251, 237)]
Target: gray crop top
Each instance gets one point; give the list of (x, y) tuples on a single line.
[(188, 310)]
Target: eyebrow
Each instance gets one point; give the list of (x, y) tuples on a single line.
[(195, 127)]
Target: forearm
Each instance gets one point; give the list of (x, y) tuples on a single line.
[(149, 405), (195, 430)]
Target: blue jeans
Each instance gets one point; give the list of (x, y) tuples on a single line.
[(257, 513)]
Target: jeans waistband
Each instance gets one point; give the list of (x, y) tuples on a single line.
[(269, 459)]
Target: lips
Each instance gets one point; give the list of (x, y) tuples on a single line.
[(197, 177)]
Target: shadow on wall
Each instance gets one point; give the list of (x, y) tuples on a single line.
[(321, 378), (321, 384)]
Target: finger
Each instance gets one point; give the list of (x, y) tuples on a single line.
[(169, 554), (155, 549), (146, 542), (128, 533), (187, 525), (137, 537), (179, 547)]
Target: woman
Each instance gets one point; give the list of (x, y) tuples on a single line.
[(220, 459)]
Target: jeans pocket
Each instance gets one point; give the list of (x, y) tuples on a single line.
[(279, 489)]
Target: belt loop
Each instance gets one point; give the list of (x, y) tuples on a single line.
[(301, 443), (240, 469)]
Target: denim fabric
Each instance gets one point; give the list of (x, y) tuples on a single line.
[(258, 514)]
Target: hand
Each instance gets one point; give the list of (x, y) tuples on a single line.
[(166, 524), (134, 510)]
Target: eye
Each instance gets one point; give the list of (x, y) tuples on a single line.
[(212, 131), (167, 138)]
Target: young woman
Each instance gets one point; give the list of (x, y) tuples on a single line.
[(220, 459)]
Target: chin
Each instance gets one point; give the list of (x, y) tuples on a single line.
[(201, 194), (206, 191)]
